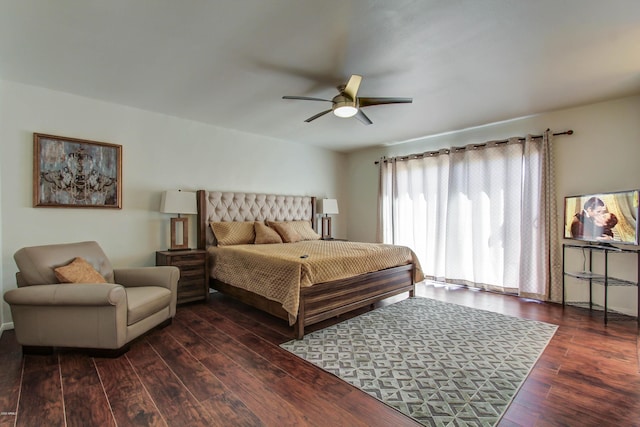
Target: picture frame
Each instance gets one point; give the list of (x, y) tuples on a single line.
[(76, 173)]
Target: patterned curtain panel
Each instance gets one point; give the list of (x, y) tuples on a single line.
[(553, 289), (475, 215)]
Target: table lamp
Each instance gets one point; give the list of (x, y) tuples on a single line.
[(181, 203), (327, 207)]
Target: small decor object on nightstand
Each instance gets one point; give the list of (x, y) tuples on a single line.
[(327, 207), (179, 202)]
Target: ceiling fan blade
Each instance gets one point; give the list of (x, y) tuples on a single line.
[(367, 102), (312, 118), (306, 98), (363, 117), (351, 89)]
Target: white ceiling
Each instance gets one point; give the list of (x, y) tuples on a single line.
[(228, 63)]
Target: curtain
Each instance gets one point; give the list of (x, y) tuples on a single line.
[(551, 265), (476, 215)]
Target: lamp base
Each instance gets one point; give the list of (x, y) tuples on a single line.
[(326, 228), (179, 244)]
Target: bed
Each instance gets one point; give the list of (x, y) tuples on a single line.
[(303, 282)]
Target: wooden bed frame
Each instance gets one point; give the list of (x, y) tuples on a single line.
[(323, 300)]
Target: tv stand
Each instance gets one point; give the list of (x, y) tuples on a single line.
[(587, 274), (604, 245)]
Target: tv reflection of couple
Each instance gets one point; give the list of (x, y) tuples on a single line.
[(594, 222)]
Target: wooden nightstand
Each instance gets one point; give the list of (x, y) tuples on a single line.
[(193, 284)]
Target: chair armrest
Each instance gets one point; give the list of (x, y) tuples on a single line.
[(164, 276), (76, 294)]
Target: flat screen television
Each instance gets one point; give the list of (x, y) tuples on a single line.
[(603, 218)]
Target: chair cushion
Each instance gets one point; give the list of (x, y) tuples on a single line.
[(143, 301), (78, 271)]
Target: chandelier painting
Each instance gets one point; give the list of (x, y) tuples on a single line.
[(71, 172)]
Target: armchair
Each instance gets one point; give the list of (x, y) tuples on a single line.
[(105, 316)]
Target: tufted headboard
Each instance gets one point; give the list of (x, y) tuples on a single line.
[(229, 206)]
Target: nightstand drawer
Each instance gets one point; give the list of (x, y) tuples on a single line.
[(191, 272), (193, 284), (187, 259), (191, 288)]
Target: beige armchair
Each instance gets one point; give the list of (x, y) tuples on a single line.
[(106, 316)]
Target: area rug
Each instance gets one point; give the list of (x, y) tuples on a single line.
[(442, 364)]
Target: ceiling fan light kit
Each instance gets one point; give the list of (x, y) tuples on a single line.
[(345, 109), (347, 104)]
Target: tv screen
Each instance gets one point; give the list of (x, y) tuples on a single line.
[(602, 218)]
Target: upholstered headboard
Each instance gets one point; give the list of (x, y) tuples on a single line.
[(229, 206)]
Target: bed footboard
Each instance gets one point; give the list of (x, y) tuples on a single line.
[(325, 300), (330, 299)]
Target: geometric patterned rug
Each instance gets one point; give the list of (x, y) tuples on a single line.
[(442, 364)]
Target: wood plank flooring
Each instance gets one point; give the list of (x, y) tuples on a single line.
[(219, 364)]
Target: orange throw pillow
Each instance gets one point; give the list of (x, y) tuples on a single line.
[(78, 271)]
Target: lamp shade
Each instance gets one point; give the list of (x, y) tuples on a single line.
[(328, 206), (178, 202)]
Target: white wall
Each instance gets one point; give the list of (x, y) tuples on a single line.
[(602, 155), (159, 153)]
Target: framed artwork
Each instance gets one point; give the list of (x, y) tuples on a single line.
[(75, 173)]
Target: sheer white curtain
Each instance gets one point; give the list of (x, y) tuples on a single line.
[(473, 215)]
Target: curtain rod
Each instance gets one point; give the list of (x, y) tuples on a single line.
[(504, 141)]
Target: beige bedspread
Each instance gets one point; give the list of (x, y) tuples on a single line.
[(278, 271)]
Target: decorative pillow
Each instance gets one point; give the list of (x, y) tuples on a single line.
[(78, 271), (303, 228), (266, 234), (288, 233), (233, 233)]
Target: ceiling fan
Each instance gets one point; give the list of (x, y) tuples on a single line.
[(348, 104)]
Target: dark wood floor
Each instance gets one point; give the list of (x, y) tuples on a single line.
[(219, 364)]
